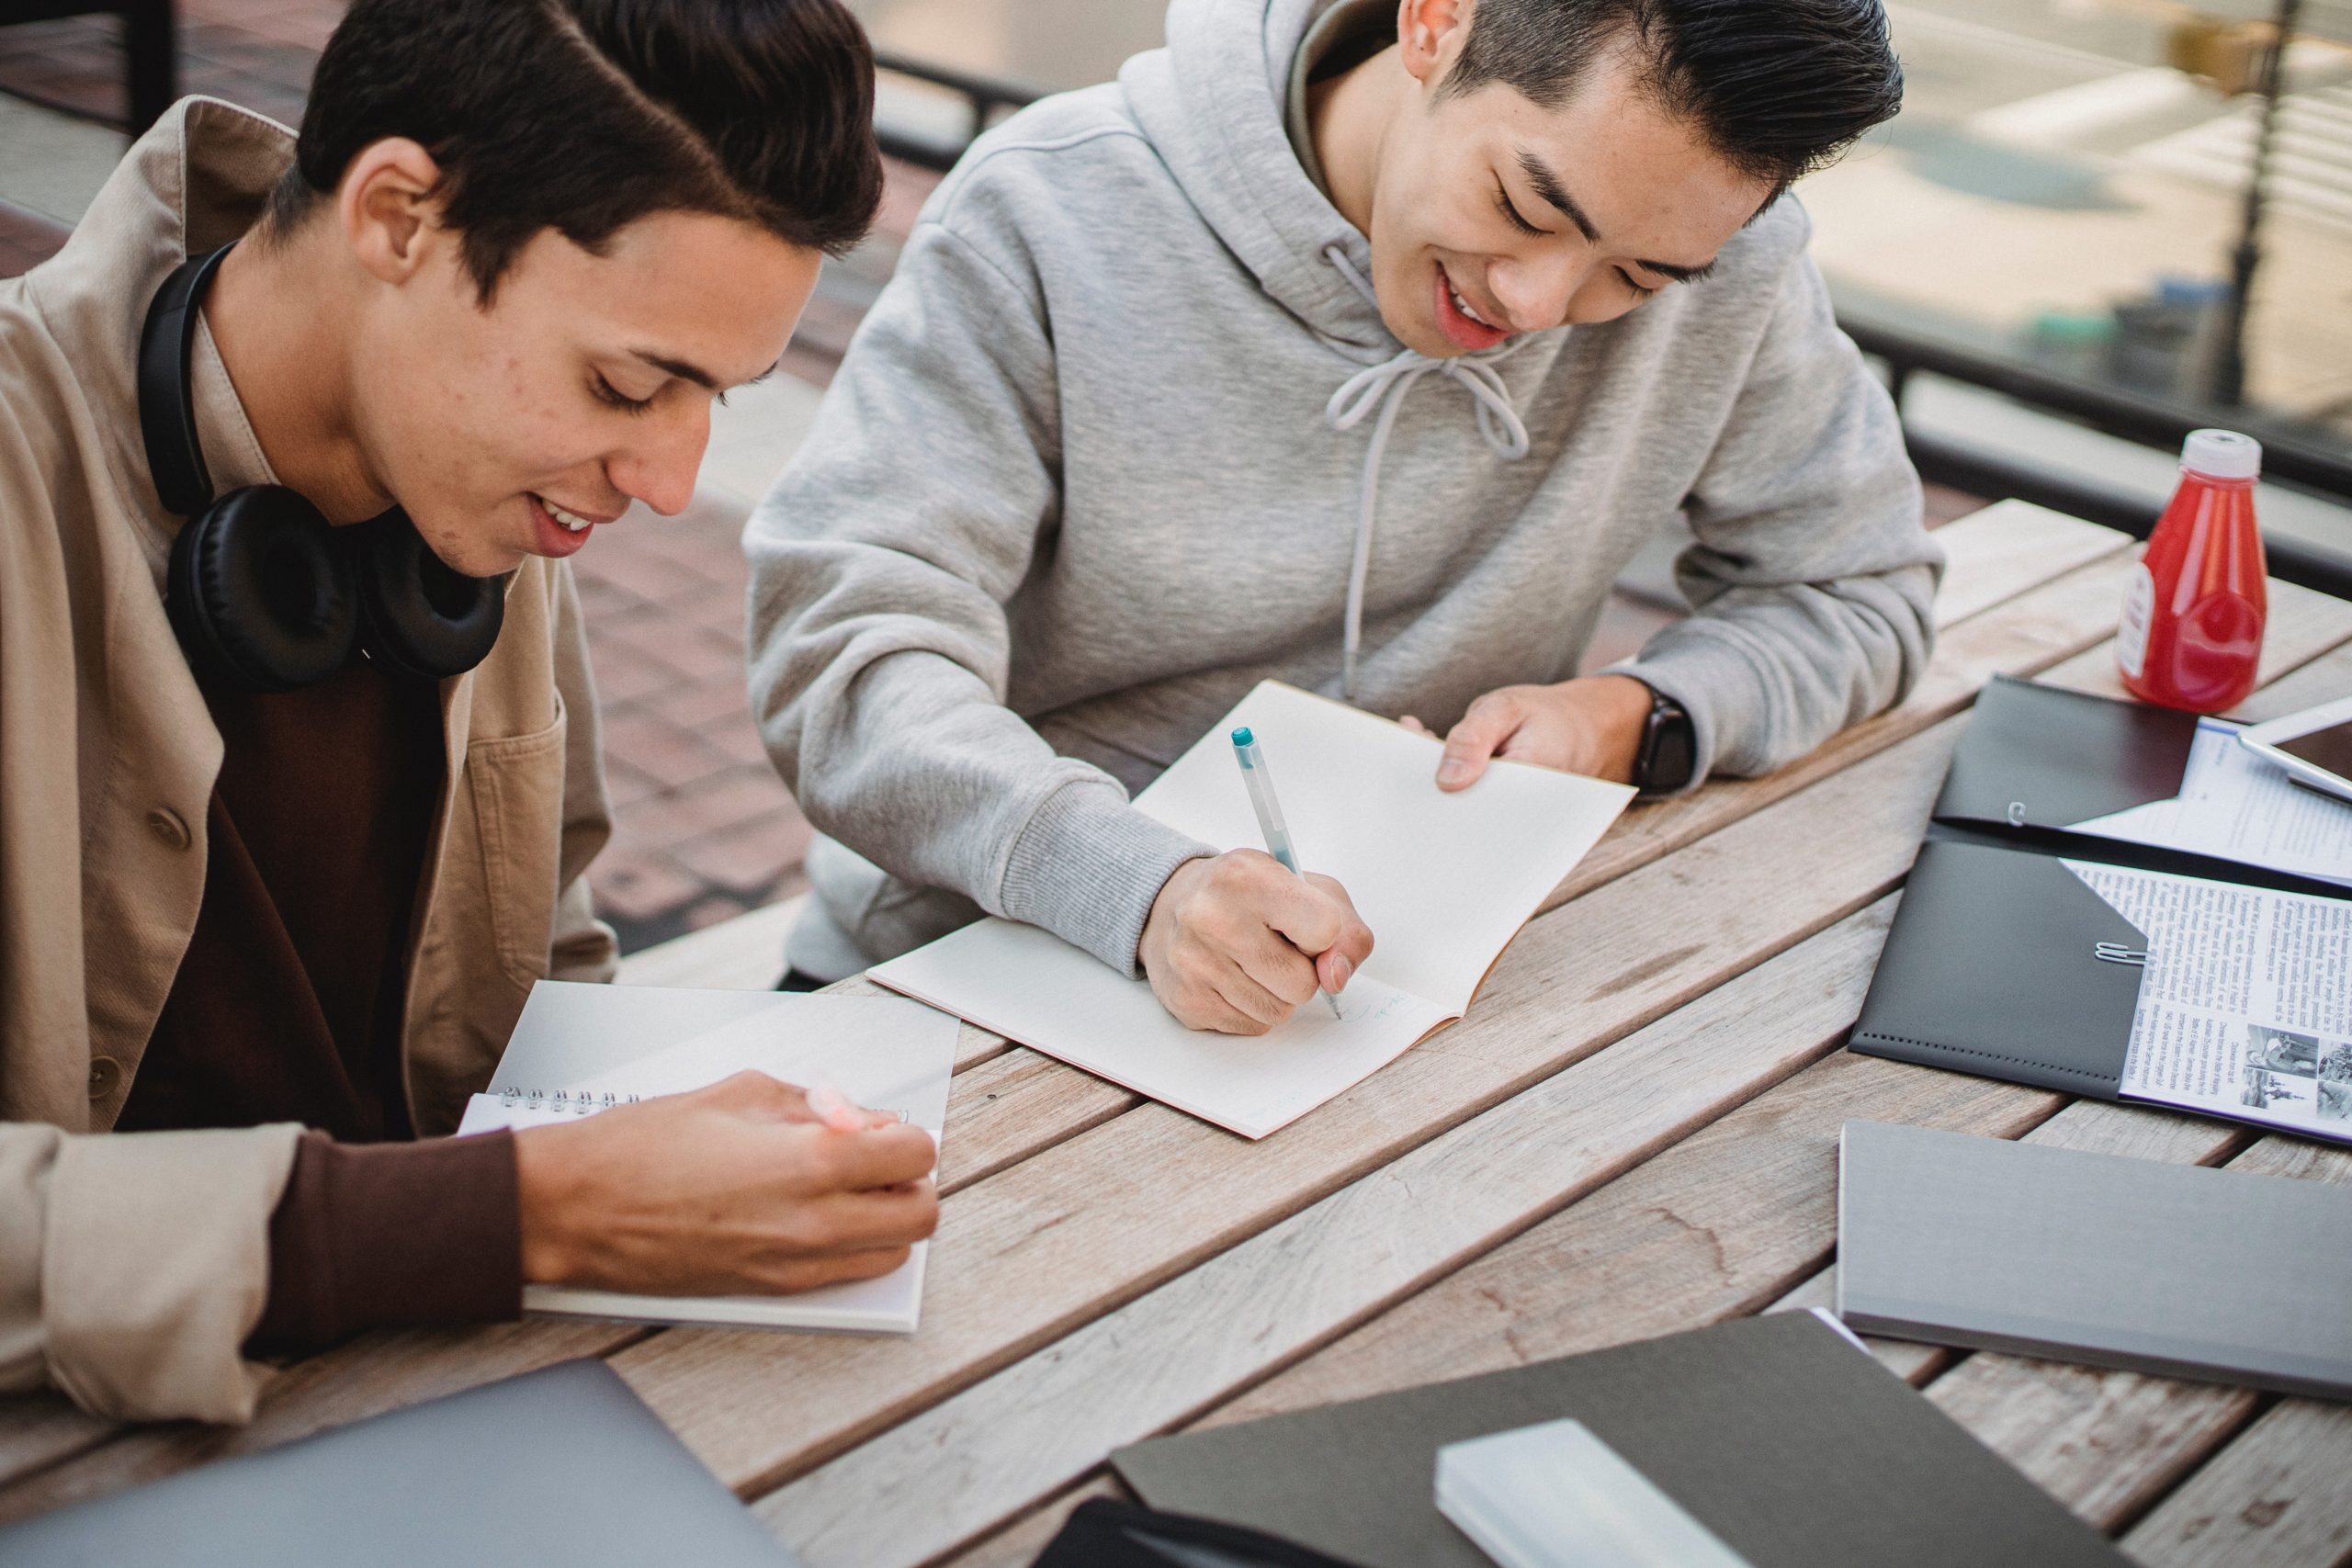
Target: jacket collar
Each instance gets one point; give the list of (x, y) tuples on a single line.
[(194, 182)]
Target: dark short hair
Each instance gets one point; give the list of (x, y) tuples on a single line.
[(1778, 87), (583, 115)]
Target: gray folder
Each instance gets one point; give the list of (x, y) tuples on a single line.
[(2179, 1270), (563, 1465), (1796, 1450)]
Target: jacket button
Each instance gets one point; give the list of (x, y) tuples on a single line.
[(167, 825), (106, 1073)]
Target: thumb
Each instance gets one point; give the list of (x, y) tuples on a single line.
[(1468, 746)]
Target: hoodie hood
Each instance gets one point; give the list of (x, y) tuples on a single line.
[(1213, 104)]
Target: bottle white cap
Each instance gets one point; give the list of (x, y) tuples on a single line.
[(2222, 455)]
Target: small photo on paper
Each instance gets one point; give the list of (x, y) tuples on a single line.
[(2279, 1051), (2335, 1083), (2267, 1089)]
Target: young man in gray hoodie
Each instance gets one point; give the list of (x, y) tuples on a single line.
[(1357, 344)]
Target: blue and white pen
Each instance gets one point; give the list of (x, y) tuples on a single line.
[(1247, 753)]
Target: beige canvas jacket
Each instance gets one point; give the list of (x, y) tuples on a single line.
[(132, 1267)]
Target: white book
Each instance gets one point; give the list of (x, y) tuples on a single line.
[(583, 1049), (1444, 880)]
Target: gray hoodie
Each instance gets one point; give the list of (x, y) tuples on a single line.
[(1126, 435)]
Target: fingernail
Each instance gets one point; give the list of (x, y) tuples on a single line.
[(1452, 770), (1342, 971)]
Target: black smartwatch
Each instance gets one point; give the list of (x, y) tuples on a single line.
[(1669, 749)]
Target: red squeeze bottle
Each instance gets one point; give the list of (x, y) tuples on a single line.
[(2194, 609)]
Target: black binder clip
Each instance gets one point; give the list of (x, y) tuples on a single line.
[(2116, 953)]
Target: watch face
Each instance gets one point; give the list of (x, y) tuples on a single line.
[(1668, 750)]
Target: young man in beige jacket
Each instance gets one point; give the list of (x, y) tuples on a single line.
[(518, 249)]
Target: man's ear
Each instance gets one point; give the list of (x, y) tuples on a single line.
[(1430, 35), (389, 207)]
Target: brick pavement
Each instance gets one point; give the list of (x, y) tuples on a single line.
[(703, 829)]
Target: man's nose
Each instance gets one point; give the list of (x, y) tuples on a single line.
[(659, 468), (1535, 294)]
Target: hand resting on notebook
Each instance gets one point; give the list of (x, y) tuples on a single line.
[(737, 1189), (1235, 943), (1590, 726)]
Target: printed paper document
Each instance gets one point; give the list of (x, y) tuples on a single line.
[(2235, 805), (2247, 1005), (1444, 881), (883, 1053)]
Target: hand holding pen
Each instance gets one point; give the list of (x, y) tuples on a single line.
[(1260, 785), (1237, 942)]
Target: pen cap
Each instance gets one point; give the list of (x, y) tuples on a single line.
[(1243, 737)]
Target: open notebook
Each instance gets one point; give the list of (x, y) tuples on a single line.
[(1444, 881), (581, 1049)]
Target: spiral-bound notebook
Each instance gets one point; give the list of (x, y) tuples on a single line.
[(581, 1049)]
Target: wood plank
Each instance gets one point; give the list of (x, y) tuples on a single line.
[(1030, 1253), (1999, 551), (1014, 1105), (744, 954), (2281, 1496), (954, 1472)]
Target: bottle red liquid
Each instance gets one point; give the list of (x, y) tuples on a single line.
[(2194, 610)]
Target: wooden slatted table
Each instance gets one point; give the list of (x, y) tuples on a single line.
[(1632, 1133)]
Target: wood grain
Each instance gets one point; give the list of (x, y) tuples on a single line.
[(969, 1463), (1997, 552), (1034, 1251), (2281, 1496)]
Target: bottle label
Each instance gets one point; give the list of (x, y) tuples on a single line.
[(2139, 610)]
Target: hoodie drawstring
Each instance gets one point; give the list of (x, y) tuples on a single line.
[(1385, 387)]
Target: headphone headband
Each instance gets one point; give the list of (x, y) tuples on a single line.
[(167, 399)]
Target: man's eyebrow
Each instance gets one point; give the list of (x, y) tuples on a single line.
[(694, 373), (680, 369), (1547, 186)]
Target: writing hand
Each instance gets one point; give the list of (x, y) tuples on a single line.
[(737, 1189), (1235, 943)]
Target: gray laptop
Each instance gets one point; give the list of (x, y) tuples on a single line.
[(560, 1466)]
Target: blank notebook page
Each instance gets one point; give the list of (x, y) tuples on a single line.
[(1444, 881)]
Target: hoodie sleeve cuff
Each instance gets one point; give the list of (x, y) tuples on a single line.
[(1728, 701), (1087, 868)]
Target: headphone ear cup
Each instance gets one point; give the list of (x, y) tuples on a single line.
[(259, 593), (417, 615)]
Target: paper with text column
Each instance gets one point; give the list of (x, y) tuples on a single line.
[(1444, 881)]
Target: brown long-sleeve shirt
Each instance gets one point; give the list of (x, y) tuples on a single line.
[(287, 1007)]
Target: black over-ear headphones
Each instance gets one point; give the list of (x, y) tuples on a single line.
[(263, 594)]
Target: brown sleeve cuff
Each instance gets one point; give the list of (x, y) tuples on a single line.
[(392, 1235)]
